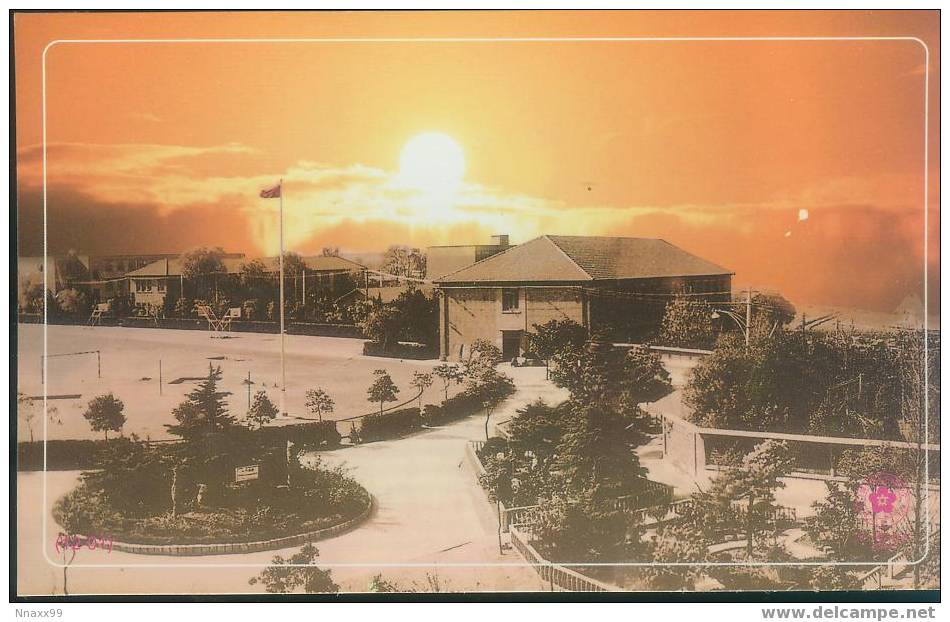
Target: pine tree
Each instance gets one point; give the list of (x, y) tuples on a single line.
[(204, 411)]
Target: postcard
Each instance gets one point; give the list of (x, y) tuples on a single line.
[(632, 303)]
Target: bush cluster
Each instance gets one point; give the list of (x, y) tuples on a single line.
[(316, 435), (389, 425), (62, 455), (400, 350), (465, 404)]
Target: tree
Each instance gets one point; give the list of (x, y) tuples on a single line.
[(448, 374), (319, 402), (262, 411), (677, 543), (383, 389), (770, 311), (294, 265), (823, 384), (433, 584), (104, 413), (396, 260), (203, 266), (836, 528), (253, 272), (69, 512), (421, 381), (494, 388), (687, 323), (286, 576), (72, 302), (383, 325), (554, 336), (742, 496), (620, 378), (204, 411), (416, 260), (330, 251), (26, 410), (202, 261), (482, 359)]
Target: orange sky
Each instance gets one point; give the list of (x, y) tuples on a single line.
[(712, 146)]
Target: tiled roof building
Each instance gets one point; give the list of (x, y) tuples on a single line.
[(620, 285)]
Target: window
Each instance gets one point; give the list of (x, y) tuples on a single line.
[(509, 300)]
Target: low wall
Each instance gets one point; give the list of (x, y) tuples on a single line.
[(188, 550), (690, 447), (313, 329), (670, 353)]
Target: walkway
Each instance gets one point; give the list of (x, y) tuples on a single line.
[(430, 512)]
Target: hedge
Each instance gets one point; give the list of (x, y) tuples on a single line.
[(389, 425), (400, 350), (315, 434), (465, 404), (62, 455)]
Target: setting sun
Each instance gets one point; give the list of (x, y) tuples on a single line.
[(432, 162)]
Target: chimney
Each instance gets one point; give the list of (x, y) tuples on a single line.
[(500, 240)]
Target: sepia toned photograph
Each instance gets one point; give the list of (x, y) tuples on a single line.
[(634, 304)]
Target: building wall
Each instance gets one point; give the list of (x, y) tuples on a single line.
[(476, 313)]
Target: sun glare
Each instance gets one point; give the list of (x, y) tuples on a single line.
[(432, 162)]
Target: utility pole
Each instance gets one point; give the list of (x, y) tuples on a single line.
[(159, 376), (748, 316)]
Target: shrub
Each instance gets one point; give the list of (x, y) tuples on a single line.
[(492, 447), (458, 406), (389, 425), (400, 350), (316, 434), (63, 455)]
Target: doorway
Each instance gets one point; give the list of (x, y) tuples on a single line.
[(510, 344)]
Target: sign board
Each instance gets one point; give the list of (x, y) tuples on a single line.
[(246, 473)]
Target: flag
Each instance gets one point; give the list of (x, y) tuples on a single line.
[(271, 193)]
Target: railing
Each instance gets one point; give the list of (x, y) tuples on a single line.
[(558, 577), (647, 517), (780, 515), (653, 493), (525, 514), (874, 579)]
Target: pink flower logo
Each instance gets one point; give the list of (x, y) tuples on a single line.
[(882, 499)]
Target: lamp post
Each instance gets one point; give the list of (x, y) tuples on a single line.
[(744, 324)]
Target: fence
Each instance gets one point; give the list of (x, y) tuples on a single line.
[(653, 494), (557, 577), (313, 329)]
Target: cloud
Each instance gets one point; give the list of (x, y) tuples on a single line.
[(860, 244)]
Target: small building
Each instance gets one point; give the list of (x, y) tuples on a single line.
[(163, 280), (60, 272), (443, 260), (619, 286)]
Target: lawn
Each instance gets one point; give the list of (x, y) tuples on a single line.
[(130, 369)]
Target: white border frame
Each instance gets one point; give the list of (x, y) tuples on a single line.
[(926, 180)]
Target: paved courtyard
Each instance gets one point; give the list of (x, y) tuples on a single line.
[(431, 519), (130, 369)]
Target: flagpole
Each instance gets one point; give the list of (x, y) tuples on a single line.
[(283, 370)]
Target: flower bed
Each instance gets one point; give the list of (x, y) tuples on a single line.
[(248, 512)]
